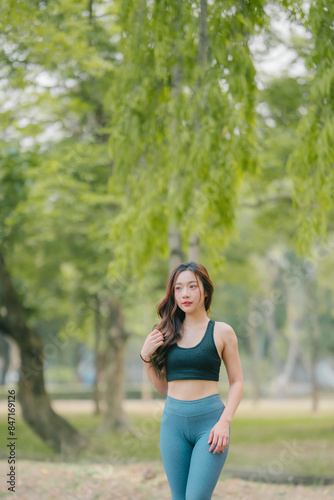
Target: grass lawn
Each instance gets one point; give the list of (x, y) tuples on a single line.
[(302, 444)]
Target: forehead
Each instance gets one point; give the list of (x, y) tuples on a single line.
[(186, 277)]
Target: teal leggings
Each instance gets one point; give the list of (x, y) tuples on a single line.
[(192, 470)]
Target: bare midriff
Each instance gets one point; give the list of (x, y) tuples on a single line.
[(191, 389)]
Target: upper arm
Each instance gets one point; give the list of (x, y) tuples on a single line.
[(230, 355)]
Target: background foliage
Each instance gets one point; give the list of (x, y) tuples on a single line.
[(122, 118)]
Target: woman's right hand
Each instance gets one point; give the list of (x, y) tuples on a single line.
[(153, 340)]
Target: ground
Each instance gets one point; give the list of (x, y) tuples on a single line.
[(54, 480), (137, 481)]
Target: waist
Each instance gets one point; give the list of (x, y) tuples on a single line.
[(188, 390), (194, 406)]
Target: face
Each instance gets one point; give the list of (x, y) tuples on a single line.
[(189, 292)]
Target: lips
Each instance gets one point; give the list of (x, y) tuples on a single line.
[(186, 303)]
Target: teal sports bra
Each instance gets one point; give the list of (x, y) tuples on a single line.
[(201, 362)]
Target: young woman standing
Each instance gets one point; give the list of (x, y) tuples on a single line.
[(182, 356)]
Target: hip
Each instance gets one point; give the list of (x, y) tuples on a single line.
[(194, 407)]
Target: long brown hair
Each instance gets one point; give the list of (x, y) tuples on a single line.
[(171, 315)]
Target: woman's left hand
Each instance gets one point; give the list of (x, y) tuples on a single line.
[(219, 436)]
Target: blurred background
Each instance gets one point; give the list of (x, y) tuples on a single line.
[(138, 135)]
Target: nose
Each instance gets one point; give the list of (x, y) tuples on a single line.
[(185, 292)]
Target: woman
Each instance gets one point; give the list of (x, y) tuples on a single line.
[(182, 356)]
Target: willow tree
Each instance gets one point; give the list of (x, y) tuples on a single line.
[(311, 164), (182, 123), (56, 63)]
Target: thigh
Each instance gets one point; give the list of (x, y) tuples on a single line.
[(175, 453), (205, 468)]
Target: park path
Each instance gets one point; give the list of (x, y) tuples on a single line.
[(134, 481)]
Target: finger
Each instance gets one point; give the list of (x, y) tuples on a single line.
[(155, 333), (212, 447), (214, 442), (157, 336), (225, 443), (219, 444), (210, 437)]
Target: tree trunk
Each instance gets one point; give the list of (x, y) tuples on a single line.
[(295, 310), (256, 391), (203, 44), (175, 247), (174, 237), (272, 333), (32, 396), (202, 59), (5, 356), (285, 376), (96, 394), (146, 386), (193, 250), (315, 342), (115, 417), (272, 330)]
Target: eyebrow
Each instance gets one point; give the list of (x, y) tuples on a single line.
[(180, 282)]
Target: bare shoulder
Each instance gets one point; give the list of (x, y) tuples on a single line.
[(226, 336), (225, 330)]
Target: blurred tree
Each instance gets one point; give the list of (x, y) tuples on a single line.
[(32, 395), (311, 163), (5, 357), (56, 63), (113, 366), (184, 99), (141, 122)]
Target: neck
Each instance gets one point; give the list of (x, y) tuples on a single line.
[(195, 318)]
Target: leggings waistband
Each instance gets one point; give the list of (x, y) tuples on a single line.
[(195, 406)]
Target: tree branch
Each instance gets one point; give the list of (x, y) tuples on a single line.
[(90, 9)]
